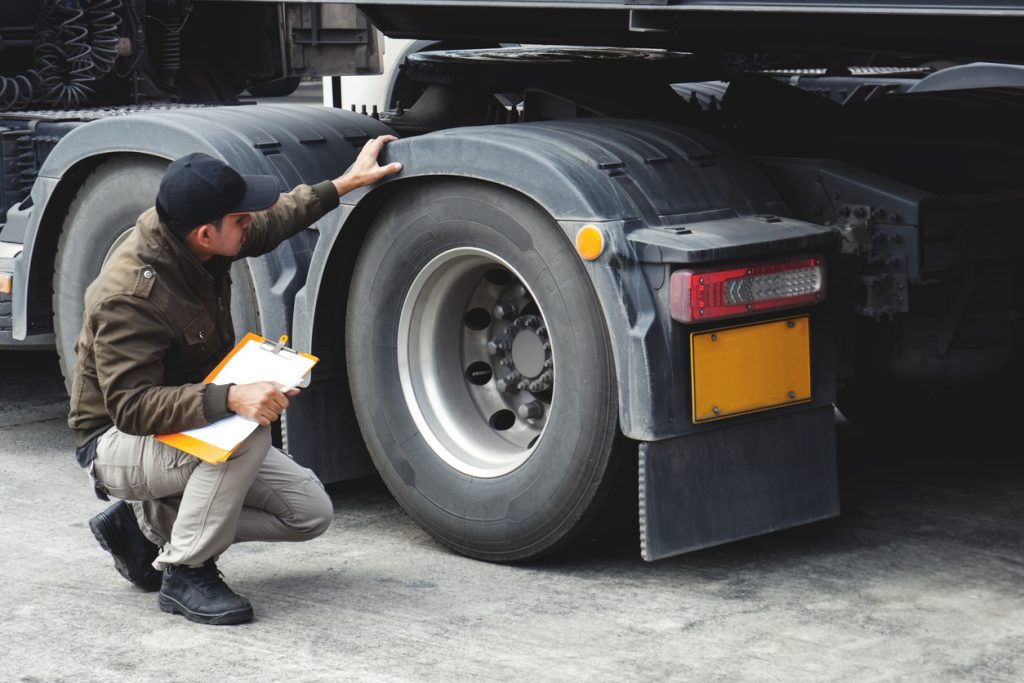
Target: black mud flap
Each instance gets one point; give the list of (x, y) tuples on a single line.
[(739, 481)]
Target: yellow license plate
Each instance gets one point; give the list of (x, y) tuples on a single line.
[(754, 367)]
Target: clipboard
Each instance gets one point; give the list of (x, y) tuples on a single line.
[(254, 359)]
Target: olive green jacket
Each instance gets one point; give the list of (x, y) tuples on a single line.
[(157, 321)]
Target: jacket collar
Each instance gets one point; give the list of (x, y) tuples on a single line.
[(169, 249)]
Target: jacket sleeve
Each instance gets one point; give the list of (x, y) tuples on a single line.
[(293, 212), (130, 371)]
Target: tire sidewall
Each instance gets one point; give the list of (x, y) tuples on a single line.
[(535, 506)]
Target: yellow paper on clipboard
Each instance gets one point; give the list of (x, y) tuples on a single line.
[(254, 359)]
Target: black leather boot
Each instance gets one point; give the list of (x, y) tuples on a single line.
[(200, 594), (118, 532)]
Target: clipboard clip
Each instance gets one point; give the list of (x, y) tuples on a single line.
[(278, 347)]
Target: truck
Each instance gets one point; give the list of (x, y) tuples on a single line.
[(638, 255)]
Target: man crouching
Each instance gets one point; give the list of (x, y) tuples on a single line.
[(157, 321)]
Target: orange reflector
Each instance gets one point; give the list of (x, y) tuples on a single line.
[(589, 242), (5, 283)]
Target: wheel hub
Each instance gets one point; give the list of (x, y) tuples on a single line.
[(468, 314), (522, 353)]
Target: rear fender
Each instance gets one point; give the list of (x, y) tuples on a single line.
[(660, 194)]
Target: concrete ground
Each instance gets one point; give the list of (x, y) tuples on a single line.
[(920, 579)]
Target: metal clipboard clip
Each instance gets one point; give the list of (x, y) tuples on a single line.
[(279, 348)]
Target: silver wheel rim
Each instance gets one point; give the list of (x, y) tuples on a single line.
[(117, 242), (475, 362)]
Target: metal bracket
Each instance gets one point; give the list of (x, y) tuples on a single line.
[(882, 258), (854, 224)]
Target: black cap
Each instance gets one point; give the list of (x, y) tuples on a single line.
[(198, 189)]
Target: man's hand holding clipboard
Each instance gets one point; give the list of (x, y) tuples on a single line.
[(262, 402), (264, 375)]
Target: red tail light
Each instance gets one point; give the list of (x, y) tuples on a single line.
[(696, 295)]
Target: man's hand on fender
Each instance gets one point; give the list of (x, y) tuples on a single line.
[(261, 402), (365, 170)]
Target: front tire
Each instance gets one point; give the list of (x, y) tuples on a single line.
[(481, 371), (101, 214)]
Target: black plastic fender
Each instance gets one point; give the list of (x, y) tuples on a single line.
[(299, 145), (660, 193)]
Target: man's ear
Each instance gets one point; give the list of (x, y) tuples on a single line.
[(203, 234)]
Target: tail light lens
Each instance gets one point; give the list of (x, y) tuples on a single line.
[(696, 295)]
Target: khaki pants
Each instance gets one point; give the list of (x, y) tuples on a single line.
[(195, 510)]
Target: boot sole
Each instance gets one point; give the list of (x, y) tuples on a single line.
[(98, 527), (238, 616)]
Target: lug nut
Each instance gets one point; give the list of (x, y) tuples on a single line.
[(531, 410), (495, 347), (507, 385), (505, 309)]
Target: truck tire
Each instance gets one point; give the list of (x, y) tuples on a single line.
[(106, 206), (481, 371)]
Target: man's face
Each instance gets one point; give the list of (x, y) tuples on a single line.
[(234, 229)]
